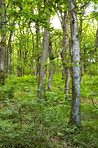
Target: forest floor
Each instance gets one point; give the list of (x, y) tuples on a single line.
[(27, 122)]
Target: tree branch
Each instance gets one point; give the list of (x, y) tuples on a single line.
[(85, 4)]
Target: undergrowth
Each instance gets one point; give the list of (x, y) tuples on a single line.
[(27, 122)]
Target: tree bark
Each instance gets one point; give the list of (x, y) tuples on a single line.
[(42, 75), (32, 70), (96, 39), (65, 28), (75, 117), (63, 23), (9, 52), (37, 48), (67, 69), (20, 67), (9, 49), (3, 43), (90, 72), (20, 53), (67, 81), (81, 59), (50, 67)]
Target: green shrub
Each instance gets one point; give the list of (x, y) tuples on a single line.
[(7, 92)]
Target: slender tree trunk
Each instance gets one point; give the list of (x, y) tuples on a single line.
[(50, 67), (67, 81), (70, 52), (32, 61), (75, 117), (67, 69), (81, 59), (32, 57), (82, 72), (37, 48), (90, 72), (42, 76), (32, 68), (7, 61), (25, 52), (3, 43), (20, 67), (96, 39), (18, 63), (9, 52), (63, 23), (20, 53), (10, 59), (13, 64)]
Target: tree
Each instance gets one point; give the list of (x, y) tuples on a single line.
[(3, 42), (42, 75), (50, 66), (64, 19), (96, 38), (75, 107)]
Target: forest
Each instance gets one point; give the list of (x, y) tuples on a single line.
[(48, 74)]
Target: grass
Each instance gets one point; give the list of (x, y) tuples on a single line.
[(27, 122)]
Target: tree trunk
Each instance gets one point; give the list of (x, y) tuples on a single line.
[(13, 64), (75, 117), (9, 52), (66, 70), (18, 63), (32, 71), (50, 67), (63, 23), (3, 43), (81, 59), (20, 53), (90, 72), (82, 72), (25, 51), (42, 75), (96, 39), (37, 48), (67, 81), (32, 60), (20, 66)]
